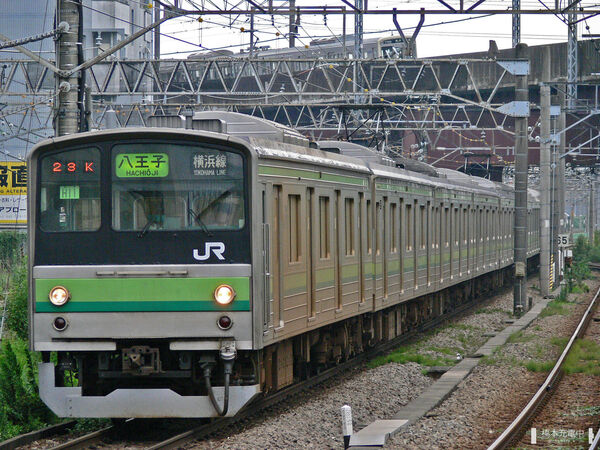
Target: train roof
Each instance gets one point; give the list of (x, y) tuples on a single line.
[(356, 151), (236, 124)]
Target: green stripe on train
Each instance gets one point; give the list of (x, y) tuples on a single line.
[(142, 294), (142, 306)]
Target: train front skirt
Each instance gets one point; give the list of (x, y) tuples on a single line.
[(125, 403)]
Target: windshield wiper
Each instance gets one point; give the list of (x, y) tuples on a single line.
[(144, 230), (199, 221)]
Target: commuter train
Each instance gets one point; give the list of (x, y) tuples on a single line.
[(180, 272)]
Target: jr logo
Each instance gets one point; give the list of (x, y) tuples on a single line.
[(215, 247)]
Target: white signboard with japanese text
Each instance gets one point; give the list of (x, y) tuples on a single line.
[(13, 194)]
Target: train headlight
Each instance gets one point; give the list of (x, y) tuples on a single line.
[(59, 296), (224, 294)]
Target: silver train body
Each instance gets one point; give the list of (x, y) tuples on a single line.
[(326, 253)]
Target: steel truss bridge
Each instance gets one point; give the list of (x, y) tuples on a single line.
[(449, 104)]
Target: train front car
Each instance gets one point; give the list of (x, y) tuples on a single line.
[(140, 274)]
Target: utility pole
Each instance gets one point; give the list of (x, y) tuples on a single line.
[(520, 224), (157, 31), (545, 177), (358, 53), (251, 51), (591, 222), (67, 108), (516, 23), (560, 185), (572, 59), (293, 28), (358, 29)]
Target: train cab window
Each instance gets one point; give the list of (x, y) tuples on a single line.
[(70, 191), (176, 187)]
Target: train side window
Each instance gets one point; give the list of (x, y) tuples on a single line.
[(380, 228), (464, 225), (393, 228), (423, 228), (369, 227), (446, 227), (349, 222), (456, 224), (324, 222), (295, 228), (409, 228)]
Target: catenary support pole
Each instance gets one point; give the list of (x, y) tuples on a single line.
[(520, 224), (292, 28), (560, 191), (545, 177), (67, 109), (516, 23), (572, 57), (591, 211), (157, 32)]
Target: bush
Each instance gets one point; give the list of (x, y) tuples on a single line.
[(16, 318), (12, 247), (21, 409), (581, 250)]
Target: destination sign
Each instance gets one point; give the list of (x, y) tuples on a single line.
[(210, 164), (142, 165)]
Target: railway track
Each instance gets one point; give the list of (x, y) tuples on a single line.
[(514, 432), (207, 429)]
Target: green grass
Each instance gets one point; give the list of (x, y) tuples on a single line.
[(560, 342), (405, 355), (539, 366), (461, 326), (491, 311), (584, 357), (519, 336), (452, 351), (555, 307), (582, 411)]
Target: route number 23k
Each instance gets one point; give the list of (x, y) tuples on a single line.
[(59, 167)]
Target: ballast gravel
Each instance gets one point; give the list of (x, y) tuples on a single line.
[(495, 391), (313, 419)]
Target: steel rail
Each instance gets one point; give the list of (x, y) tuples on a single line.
[(86, 440), (44, 433), (596, 442), (275, 398), (94, 437), (517, 426)]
